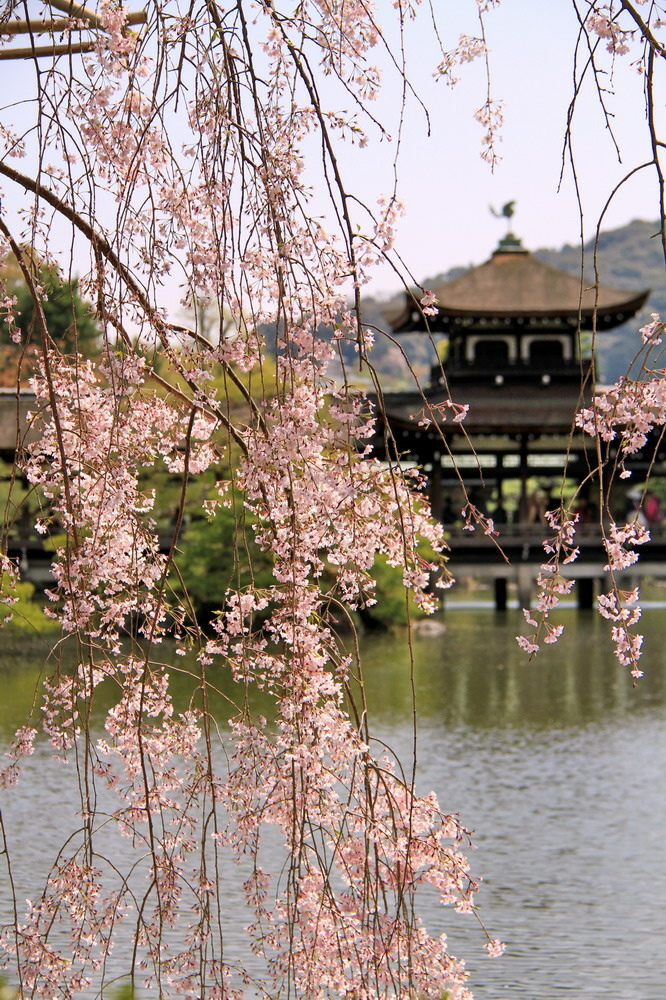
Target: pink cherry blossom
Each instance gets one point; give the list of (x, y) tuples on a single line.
[(177, 154)]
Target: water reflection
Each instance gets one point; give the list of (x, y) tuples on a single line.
[(474, 674), (557, 764)]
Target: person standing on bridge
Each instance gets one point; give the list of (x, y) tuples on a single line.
[(652, 509)]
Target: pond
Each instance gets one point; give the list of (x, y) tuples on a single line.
[(558, 766)]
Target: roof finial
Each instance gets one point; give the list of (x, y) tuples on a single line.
[(508, 212), (510, 241)]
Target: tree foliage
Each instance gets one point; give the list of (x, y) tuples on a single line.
[(68, 318)]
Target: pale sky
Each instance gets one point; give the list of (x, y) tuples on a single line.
[(446, 187)]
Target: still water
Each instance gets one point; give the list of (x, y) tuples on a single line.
[(558, 766)]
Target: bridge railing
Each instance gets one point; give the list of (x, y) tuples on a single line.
[(532, 534)]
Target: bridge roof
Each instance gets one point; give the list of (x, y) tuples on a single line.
[(522, 409), (514, 283)]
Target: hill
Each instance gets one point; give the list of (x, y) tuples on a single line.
[(630, 257)]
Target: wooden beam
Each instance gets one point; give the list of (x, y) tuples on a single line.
[(58, 25), (37, 27), (47, 50), (82, 12)]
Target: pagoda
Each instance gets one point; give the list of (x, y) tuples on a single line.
[(515, 353)]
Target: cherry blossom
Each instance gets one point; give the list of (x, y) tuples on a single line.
[(196, 131), (562, 550), (179, 156), (618, 39)]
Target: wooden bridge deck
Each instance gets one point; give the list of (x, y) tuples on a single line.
[(513, 558), (524, 543), (516, 554)]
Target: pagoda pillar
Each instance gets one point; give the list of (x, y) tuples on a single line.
[(525, 583), (435, 490), (501, 587)]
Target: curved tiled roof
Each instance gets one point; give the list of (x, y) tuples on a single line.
[(514, 283)]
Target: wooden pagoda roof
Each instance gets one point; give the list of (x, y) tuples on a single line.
[(514, 283), (530, 409)]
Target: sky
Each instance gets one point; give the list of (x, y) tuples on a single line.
[(446, 186), (448, 189)]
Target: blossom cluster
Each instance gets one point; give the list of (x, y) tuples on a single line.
[(562, 550), (621, 607), (87, 463), (627, 412), (621, 25), (618, 39), (195, 134), (467, 50)]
